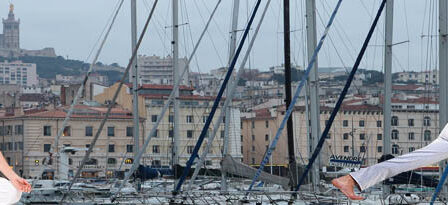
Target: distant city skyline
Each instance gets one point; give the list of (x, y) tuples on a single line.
[(73, 28)]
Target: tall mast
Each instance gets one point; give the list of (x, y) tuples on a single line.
[(443, 73), (387, 108), (313, 87), (289, 125), (175, 158), (135, 77), (228, 115)]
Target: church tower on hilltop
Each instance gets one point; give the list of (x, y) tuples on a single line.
[(10, 38)]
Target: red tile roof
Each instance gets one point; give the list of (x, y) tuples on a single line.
[(160, 87)]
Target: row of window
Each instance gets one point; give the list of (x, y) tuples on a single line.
[(188, 118), (395, 149), (8, 130), (8, 146), (88, 131)]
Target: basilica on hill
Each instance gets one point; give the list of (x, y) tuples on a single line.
[(10, 40)]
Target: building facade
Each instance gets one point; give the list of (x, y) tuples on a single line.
[(356, 131), (157, 70), (26, 139), (18, 73)]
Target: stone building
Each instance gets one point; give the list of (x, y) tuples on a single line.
[(26, 139), (194, 110), (356, 131)]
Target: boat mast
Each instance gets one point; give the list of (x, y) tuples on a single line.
[(134, 77), (312, 84), (387, 108), (175, 44), (443, 74), (289, 125), (228, 115)]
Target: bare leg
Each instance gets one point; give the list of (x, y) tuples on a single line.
[(346, 184)]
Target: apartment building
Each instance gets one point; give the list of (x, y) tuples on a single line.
[(356, 131), (18, 73), (26, 139)]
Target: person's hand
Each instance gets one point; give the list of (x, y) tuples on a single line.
[(20, 184)]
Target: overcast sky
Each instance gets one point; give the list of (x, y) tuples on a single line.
[(73, 28)]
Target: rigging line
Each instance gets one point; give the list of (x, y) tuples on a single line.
[(111, 105), (194, 155), (81, 88), (295, 97), (168, 103), (229, 98), (209, 35), (342, 96)]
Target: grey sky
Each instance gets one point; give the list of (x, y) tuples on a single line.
[(73, 27)]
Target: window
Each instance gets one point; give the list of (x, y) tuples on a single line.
[(328, 136), (266, 138), (242, 138), (110, 131), (111, 161), (190, 149), (266, 124), (361, 123), (427, 135), (9, 130), (223, 133), (153, 118), (378, 123), (156, 163), (170, 118), (411, 136), (345, 123), (89, 131), (87, 146), (208, 162), (411, 149), (156, 134), (111, 148), (70, 161), (190, 119), (394, 121), (362, 149), (155, 149), (67, 131), (346, 148), (362, 136), (253, 148), (426, 121), (253, 160), (379, 137), (395, 134), (253, 137), (189, 133), (129, 148), (18, 129), (345, 136), (129, 131), (47, 130), (395, 149), (411, 122), (204, 119), (170, 133), (379, 149), (47, 147), (253, 124)]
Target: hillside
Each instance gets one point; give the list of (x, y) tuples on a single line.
[(48, 67)]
